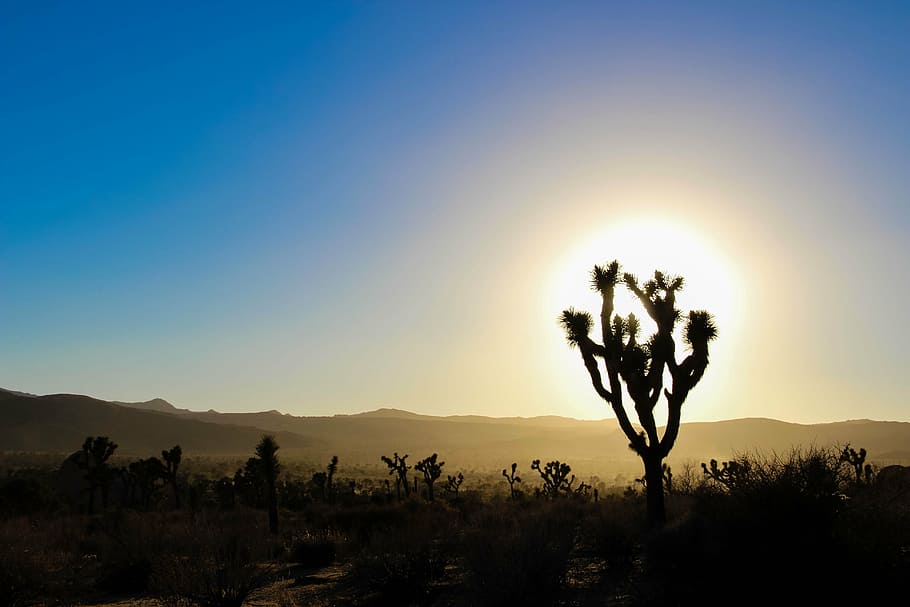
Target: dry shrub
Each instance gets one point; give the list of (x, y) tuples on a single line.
[(219, 564), (520, 553)]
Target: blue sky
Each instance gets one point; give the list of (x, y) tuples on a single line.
[(331, 207)]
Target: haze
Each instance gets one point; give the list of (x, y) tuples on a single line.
[(332, 208)]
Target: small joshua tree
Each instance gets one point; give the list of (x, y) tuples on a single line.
[(432, 470), (96, 451), (641, 366), (512, 479), (856, 460), (399, 467), (171, 460), (555, 477), (730, 474), (453, 484), (330, 477), (267, 456), (144, 475)]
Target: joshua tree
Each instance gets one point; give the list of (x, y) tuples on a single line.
[(856, 460), (267, 455), (641, 366), (512, 479), (145, 474), (453, 484), (431, 471), (555, 477), (171, 459), (96, 451), (329, 478), (399, 467), (730, 474)]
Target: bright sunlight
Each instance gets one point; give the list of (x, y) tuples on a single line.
[(641, 246)]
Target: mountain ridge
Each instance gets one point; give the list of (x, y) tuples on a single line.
[(60, 422)]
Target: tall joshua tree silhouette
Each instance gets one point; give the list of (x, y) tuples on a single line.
[(267, 456), (171, 459), (96, 451), (641, 366), (431, 471)]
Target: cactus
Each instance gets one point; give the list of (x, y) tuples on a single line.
[(330, 475), (855, 459), (267, 461), (512, 479), (555, 477), (453, 484), (730, 474), (642, 366), (398, 466), (96, 451), (432, 470), (171, 463)]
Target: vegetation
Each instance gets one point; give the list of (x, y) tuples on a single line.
[(641, 366), (268, 467), (796, 521), (432, 470)]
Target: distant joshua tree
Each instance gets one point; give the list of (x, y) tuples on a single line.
[(555, 477), (856, 461), (144, 475), (330, 478), (730, 474), (512, 479), (399, 467), (267, 456), (641, 366), (96, 451), (171, 459), (453, 484), (431, 471)]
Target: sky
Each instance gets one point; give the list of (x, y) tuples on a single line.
[(332, 207)]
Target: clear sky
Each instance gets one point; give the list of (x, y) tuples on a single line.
[(332, 207)]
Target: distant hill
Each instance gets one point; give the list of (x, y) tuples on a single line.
[(60, 422)]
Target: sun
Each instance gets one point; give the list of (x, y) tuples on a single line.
[(642, 246)]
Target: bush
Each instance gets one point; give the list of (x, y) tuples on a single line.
[(520, 552), (217, 568)]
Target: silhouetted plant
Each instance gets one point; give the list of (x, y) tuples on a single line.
[(453, 484), (555, 477), (249, 484), (512, 478), (330, 476), (399, 468), (144, 476), (319, 480), (432, 470), (855, 459), (96, 452), (666, 479), (641, 366), (731, 474), (267, 454), (171, 459)]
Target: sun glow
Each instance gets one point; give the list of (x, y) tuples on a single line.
[(642, 246)]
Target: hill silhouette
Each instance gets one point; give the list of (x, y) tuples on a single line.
[(59, 423)]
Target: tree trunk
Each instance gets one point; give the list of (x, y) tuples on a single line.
[(654, 490), (273, 510)]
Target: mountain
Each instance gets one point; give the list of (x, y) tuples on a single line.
[(156, 404), (61, 422)]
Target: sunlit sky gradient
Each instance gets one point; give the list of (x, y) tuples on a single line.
[(328, 208)]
